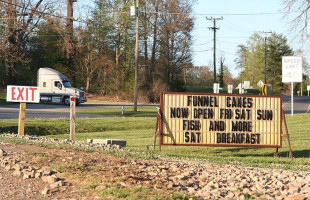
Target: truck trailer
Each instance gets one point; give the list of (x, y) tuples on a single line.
[(56, 88)]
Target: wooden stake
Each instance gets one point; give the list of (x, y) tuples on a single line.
[(22, 117), (72, 118), (287, 136)]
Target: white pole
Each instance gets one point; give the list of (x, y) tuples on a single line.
[(72, 118), (292, 97)]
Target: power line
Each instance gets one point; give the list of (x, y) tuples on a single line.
[(226, 14), (201, 51), (202, 43), (176, 13), (226, 52)]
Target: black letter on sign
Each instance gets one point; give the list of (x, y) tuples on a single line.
[(189, 100), (186, 136), (218, 138)]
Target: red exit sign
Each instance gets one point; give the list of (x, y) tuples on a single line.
[(27, 94)]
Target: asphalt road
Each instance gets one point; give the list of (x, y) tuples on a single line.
[(54, 111), (301, 105)]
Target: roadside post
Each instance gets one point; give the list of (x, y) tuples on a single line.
[(308, 88), (23, 95), (21, 118), (216, 88), (230, 89), (123, 110), (292, 72), (72, 118), (241, 88)]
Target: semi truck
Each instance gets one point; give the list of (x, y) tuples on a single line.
[(56, 88)]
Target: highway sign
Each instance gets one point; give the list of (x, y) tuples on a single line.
[(291, 69)]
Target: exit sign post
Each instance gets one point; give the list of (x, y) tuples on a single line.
[(23, 95)]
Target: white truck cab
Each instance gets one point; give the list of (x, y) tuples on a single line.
[(56, 88)]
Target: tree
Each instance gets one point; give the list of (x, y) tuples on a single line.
[(89, 61), (199, 76), (299, 22), (251, 60), (110, 29), (174, 41), (277, 47), (225, 76), (20, 19), (47, 48)]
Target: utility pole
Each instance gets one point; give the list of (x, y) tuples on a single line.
[(222, 73), (214, 28), (135, 109), (265, 39), (70, 54)]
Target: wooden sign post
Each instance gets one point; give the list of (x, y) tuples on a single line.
[(72, 118), (21, 120), (22, 94)]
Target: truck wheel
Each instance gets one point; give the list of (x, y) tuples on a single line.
[(67, 101)]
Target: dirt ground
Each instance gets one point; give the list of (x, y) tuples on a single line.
[(86, 174), (94, 175)]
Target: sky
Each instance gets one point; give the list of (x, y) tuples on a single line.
[(235, 28)]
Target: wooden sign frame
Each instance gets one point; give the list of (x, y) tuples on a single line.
[(161, 119)]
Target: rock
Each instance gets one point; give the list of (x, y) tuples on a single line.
[(296, 197), (45, 191), (2, 152), (230, 195), (17, 167), (8, 167), (29, 174), (26, 176), (38, 175), (54, 185), (191, 190), (120, 143), (17, 173), (49, 179), (46, 172)]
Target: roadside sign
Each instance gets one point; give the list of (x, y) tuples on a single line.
[(308, 87), (22, 94), (260, 83), (26, 94), (292, 72), (230, 89), (241, 89), (264, 90), (291, 69), (201, 119), (246, 84), (216, 88)]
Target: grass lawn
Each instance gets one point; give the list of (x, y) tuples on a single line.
[(143, 111), (138, 129), (3, 99)]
